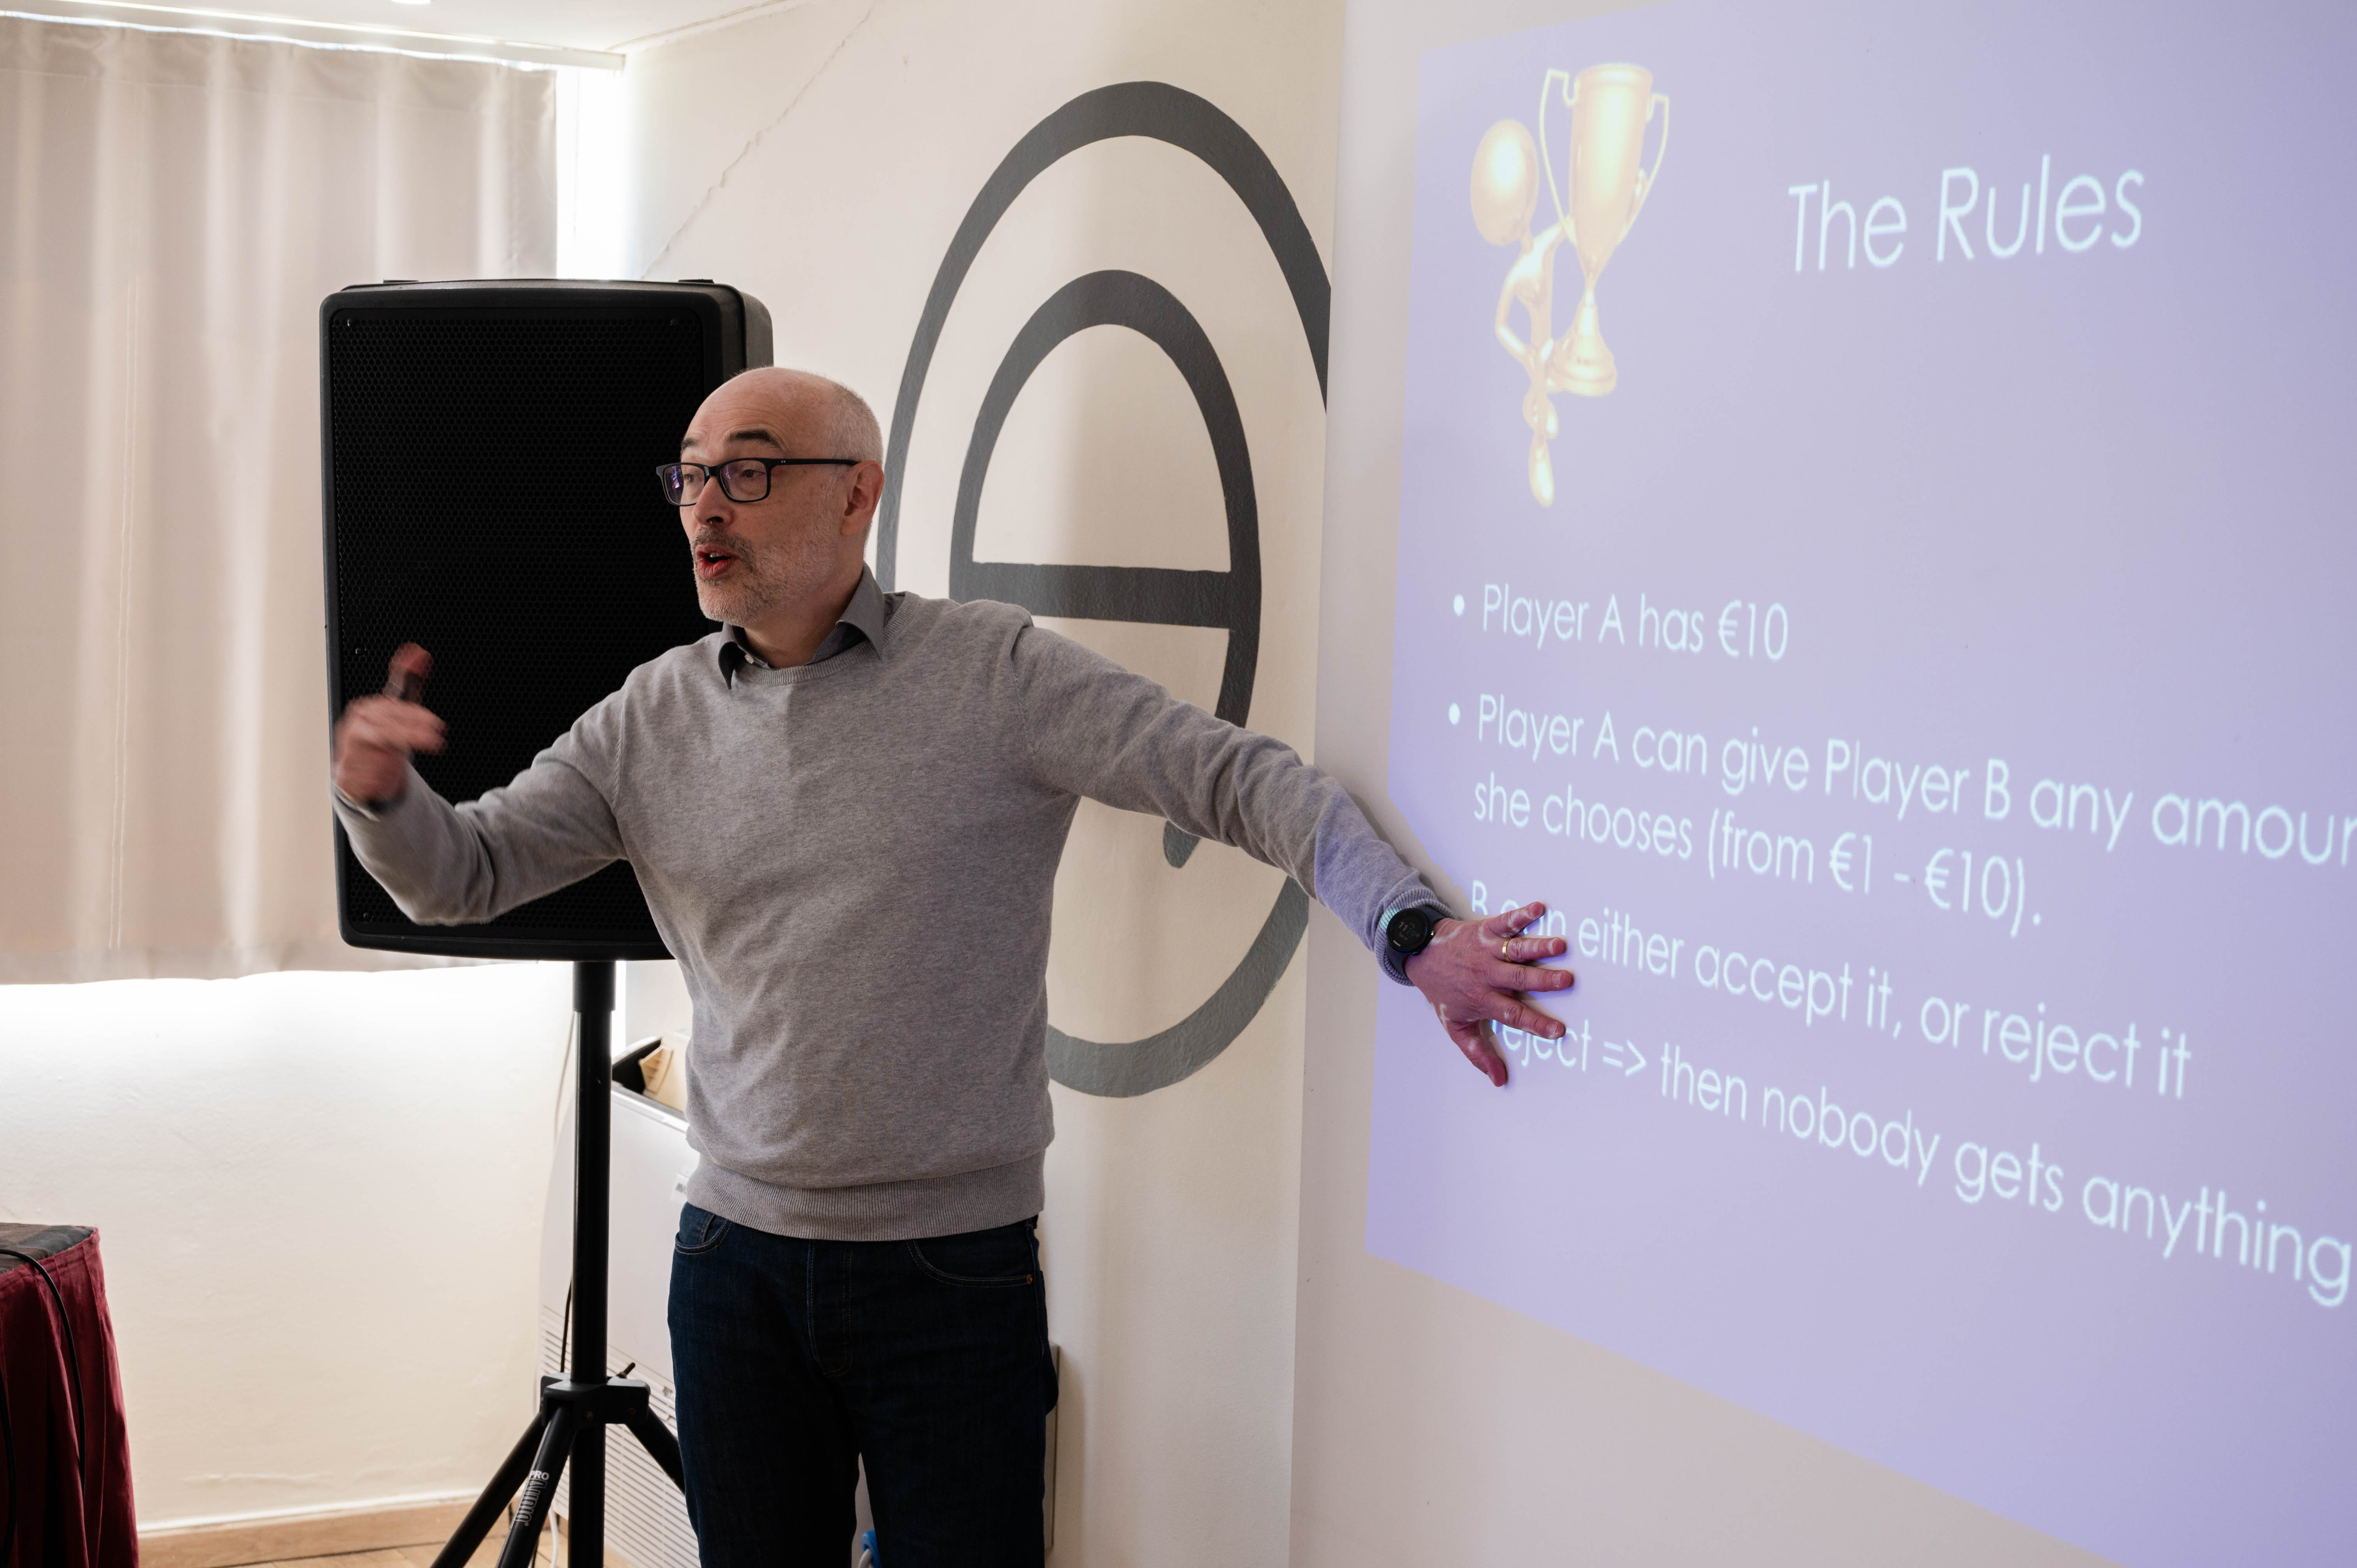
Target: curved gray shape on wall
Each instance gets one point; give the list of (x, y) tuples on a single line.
[(1230, 599)]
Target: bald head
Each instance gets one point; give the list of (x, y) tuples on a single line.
[(799, 413), (782, 564)]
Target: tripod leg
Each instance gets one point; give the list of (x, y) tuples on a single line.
[(494, 1500), (586, 1537), (540, 1488), (656, 1438)]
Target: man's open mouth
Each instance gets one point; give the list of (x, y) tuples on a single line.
[(711, 563)]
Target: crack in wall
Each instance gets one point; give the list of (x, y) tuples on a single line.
[(711, 191)]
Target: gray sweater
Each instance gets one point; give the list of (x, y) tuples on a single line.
[(855, 861)]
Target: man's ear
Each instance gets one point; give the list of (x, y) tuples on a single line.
[(861, 497)]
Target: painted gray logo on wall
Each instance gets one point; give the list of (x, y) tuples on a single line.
[(1229, 600)]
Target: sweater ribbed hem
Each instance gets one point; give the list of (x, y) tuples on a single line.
[(886, 1211)]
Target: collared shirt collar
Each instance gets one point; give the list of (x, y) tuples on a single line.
[(862, 618)]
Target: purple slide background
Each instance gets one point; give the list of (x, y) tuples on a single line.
[(2086, 512)]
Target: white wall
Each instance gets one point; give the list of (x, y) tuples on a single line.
[(821, 156), (319, 1200)]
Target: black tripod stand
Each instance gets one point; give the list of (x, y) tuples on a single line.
[(574, 1410)]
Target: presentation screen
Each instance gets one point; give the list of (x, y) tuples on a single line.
[(1876, 556)]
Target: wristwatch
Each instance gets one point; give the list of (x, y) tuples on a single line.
[(1407, 932)]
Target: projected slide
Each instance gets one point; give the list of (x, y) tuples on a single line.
[(1877, 553)]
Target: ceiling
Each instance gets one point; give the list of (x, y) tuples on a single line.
[(605, 24)]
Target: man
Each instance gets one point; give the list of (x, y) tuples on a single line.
[(847, 810)]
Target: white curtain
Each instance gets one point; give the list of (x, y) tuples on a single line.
[(175, 205)]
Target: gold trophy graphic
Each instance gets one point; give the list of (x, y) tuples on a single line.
[(1610, 107)]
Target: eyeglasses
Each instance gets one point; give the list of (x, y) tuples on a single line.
[(742, 479)]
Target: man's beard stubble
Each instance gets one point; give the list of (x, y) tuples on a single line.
[(752, 587)]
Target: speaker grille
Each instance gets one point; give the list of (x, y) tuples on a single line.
[(491, 498)]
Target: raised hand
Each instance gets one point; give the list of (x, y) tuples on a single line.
[(376, 735), (1483, 971)]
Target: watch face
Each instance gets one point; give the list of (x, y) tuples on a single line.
[(1411, 931)]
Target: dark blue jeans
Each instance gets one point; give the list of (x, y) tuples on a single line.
[(794, 1359)]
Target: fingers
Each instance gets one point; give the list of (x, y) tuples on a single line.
[(1509, 922), (1530, 949), (1474, 1042), (373, 742), (1535, 977), (1470, 983), (406, 672), (1517, 970), (1508, 1008), (1503, 1007), (375, 736), (1520, 963), (1516, 1013), (391, 724)]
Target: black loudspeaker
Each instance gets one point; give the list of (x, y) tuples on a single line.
[(488, 454)]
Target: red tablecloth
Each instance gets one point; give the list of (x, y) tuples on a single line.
[(70, 1466)]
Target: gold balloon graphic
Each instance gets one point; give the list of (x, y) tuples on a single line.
[(1610, 107), (1505, 182)]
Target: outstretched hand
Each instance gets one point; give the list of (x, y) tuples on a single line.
[(376, 735), (1483, 971)]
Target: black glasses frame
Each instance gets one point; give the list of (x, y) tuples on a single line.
[(671, 475)]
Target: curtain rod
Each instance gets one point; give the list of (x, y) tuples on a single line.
[(342, 35)]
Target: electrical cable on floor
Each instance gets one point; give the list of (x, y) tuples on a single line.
[(73, 1365)]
